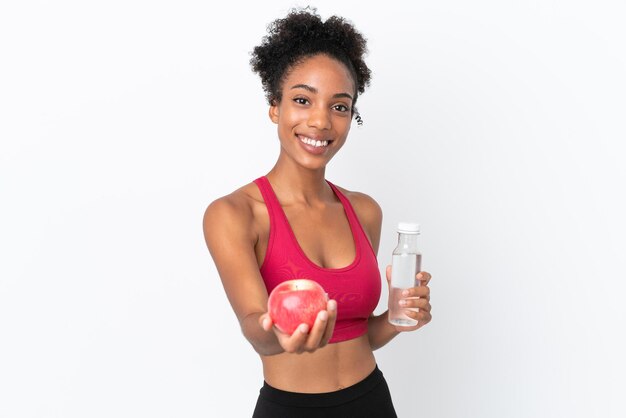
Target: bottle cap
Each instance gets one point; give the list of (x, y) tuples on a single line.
[(409, 228)]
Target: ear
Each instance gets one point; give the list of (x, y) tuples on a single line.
[(274, 112)]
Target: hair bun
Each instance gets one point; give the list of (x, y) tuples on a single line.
[(300, 34)]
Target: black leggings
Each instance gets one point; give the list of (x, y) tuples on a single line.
[(368, 398)]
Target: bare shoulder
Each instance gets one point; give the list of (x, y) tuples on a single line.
[(368, 212), (366, 207), (233, 212)]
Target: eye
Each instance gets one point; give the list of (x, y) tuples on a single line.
[(341, 108), (301, 100)]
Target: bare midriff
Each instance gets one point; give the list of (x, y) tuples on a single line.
[(333, 367)]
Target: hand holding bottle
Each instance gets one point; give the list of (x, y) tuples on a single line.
[(416, 302), (404, 277)]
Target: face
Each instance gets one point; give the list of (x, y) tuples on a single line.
[(315, 112)]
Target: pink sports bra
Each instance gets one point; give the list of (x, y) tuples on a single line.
[(356, 287)]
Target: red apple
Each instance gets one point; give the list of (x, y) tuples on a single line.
[(294, 302)]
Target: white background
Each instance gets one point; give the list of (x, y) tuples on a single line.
[(498, 126)]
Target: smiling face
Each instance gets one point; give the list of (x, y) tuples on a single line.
[(315, 111)]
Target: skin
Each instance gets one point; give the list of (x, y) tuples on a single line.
[(317, 103)]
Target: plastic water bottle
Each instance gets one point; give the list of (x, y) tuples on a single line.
[(406, 263)]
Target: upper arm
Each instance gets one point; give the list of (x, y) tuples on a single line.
[(228, 231)]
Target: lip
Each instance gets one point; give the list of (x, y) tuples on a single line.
[(311, 149)]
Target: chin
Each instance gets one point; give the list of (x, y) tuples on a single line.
[(314, 165)]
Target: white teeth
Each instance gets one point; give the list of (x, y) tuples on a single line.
[(313, 142)]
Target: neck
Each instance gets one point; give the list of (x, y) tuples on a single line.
[(297, 184)]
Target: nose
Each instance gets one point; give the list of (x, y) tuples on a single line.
[(319, 118)]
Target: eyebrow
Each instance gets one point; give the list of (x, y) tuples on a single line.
[(314, 90)]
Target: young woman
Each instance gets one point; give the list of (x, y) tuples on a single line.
[(293, 223)]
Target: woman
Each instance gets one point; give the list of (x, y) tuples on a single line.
[(293, 223)]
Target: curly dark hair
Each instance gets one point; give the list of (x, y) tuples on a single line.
[(302, 34)]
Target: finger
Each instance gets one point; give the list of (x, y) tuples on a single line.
[(316, 334), (266, 322), (421, 316), (388, 272), (420, 303), (417, 292), (426, 317), (331, 308), (294, 343), (424, 277)]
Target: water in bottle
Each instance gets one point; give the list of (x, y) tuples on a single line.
[(405, 264)]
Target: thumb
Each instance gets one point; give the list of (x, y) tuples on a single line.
[(388, 273), (266, 322)]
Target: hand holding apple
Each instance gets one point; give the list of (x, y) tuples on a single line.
[(294, 302), (295, 307)]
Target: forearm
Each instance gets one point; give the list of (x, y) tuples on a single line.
[(263, 342), (380, 331)]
